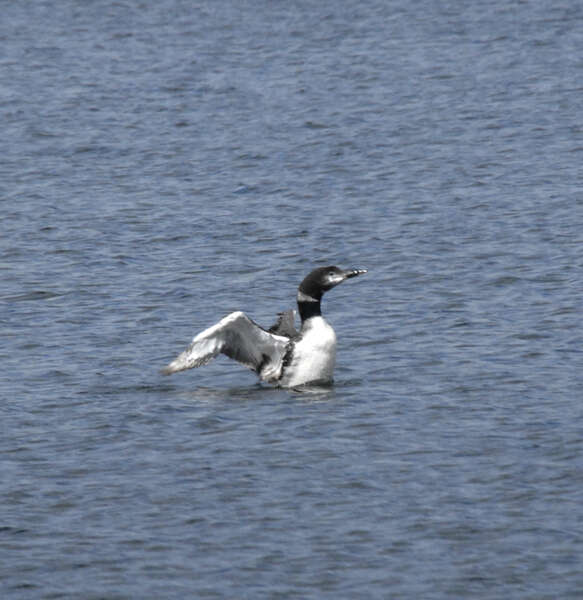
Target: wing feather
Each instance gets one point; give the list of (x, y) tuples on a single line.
[(239, 338)]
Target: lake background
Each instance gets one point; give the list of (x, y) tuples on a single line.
[(166, 163)]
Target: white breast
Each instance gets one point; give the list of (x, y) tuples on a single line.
[(314, 354)]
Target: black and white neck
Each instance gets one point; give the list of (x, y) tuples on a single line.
[(308, 306)]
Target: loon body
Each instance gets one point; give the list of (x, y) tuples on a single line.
[(279, 355)]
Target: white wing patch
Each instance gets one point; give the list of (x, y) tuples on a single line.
[(239, 338)]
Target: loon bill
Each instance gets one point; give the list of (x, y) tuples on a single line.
[(279, 355)]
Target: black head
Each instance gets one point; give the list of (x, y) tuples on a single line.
[(323, 279)]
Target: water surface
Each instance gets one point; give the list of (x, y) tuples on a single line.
[(166, 163)]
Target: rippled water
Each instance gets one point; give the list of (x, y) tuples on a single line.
[(166, 163)]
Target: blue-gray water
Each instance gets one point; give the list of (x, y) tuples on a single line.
[(163, 163)]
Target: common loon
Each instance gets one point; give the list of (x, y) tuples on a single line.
[(279, 355)]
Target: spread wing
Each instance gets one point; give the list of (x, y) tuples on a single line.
[(285, 324), (238, 337)]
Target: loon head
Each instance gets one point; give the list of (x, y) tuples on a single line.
[(324, 279)]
